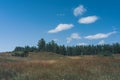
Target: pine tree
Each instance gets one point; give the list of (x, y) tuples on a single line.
[(41, 45)]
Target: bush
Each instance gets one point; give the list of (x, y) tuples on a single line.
[(20, 53), (106, 53)]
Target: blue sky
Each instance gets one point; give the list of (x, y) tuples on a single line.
[(69, 22)]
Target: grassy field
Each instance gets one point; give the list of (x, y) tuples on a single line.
[(49, 66)]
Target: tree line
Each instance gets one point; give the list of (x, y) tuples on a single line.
[(52, 46)]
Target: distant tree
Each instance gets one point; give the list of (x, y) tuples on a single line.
[(77, 50), (41, 45), (19, 49), (62, 50), (48, 47), (52, 46), (74, 51), (57, 49), (33, 49), (27, 48), (69, 50), (116, 48)]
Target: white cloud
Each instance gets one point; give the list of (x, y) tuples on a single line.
[(100, 35), (79, 10), (102, 42), (82, 44), (73, 36), (88, 20), (61, 27)]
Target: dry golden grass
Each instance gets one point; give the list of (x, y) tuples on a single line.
[(49, 66)]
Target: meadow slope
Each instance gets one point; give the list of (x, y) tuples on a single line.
[(50, 66)]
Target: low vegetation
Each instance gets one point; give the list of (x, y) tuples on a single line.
[(50, 66)]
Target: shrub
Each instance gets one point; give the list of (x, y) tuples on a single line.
[(20, 53), (106, 53)]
